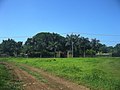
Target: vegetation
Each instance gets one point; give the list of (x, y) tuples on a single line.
[(10, 47), (6, 80), (96, 73), (35, 74), (50, 44), (116, 52)]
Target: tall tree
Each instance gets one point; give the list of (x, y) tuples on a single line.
[(95, 45), (84, 44), (116, 52), (10, 47), (46, 44), (73, 43)]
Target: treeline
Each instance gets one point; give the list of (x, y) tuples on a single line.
[(54, 45)]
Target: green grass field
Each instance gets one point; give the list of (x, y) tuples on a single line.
[(96, 73), (6, 80)]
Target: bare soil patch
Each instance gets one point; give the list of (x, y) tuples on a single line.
[(31, 83), (56, 83)]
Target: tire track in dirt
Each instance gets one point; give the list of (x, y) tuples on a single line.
[(56, 83), (29, 82)]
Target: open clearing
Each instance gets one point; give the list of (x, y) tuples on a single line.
[(95, 73), (46, 82)]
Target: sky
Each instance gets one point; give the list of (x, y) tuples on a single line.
[(20, 19)]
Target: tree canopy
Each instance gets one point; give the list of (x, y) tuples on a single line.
[(47, 44)]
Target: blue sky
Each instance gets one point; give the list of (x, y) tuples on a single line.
[(28, 17)]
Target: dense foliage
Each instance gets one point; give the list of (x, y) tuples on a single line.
[(10, 47), (51, 44)]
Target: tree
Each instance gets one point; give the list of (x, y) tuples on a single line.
[(116, 52), (103, 48), (56, 44), (95, 45), (10, 47), (84, 44), (73, 43), (46, 44), (18, 48)]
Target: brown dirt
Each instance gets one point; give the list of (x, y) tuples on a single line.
[(53, 82), (56, 83), (29, 82)]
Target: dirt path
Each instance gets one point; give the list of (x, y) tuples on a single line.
[(53, 82), (56, 83), (29, 82)]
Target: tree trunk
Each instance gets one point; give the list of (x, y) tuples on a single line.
[(84, 53), (54, 52)]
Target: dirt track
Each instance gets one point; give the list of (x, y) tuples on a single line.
[(53, 82)]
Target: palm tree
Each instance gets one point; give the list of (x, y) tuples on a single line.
[(85, 44), (95, 45), (72, 43)]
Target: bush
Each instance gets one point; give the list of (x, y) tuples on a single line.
[(90, 52)]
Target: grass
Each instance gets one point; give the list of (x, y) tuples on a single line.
[(96, 73), (35, 74), (6, 81)]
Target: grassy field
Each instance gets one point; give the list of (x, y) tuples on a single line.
[(96, 73), (6, 80)]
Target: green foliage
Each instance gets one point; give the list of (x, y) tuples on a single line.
[(6, 82), (90, 53), (96, 73), (35, 74), (10, 47), (116, 52), (47, 44)]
